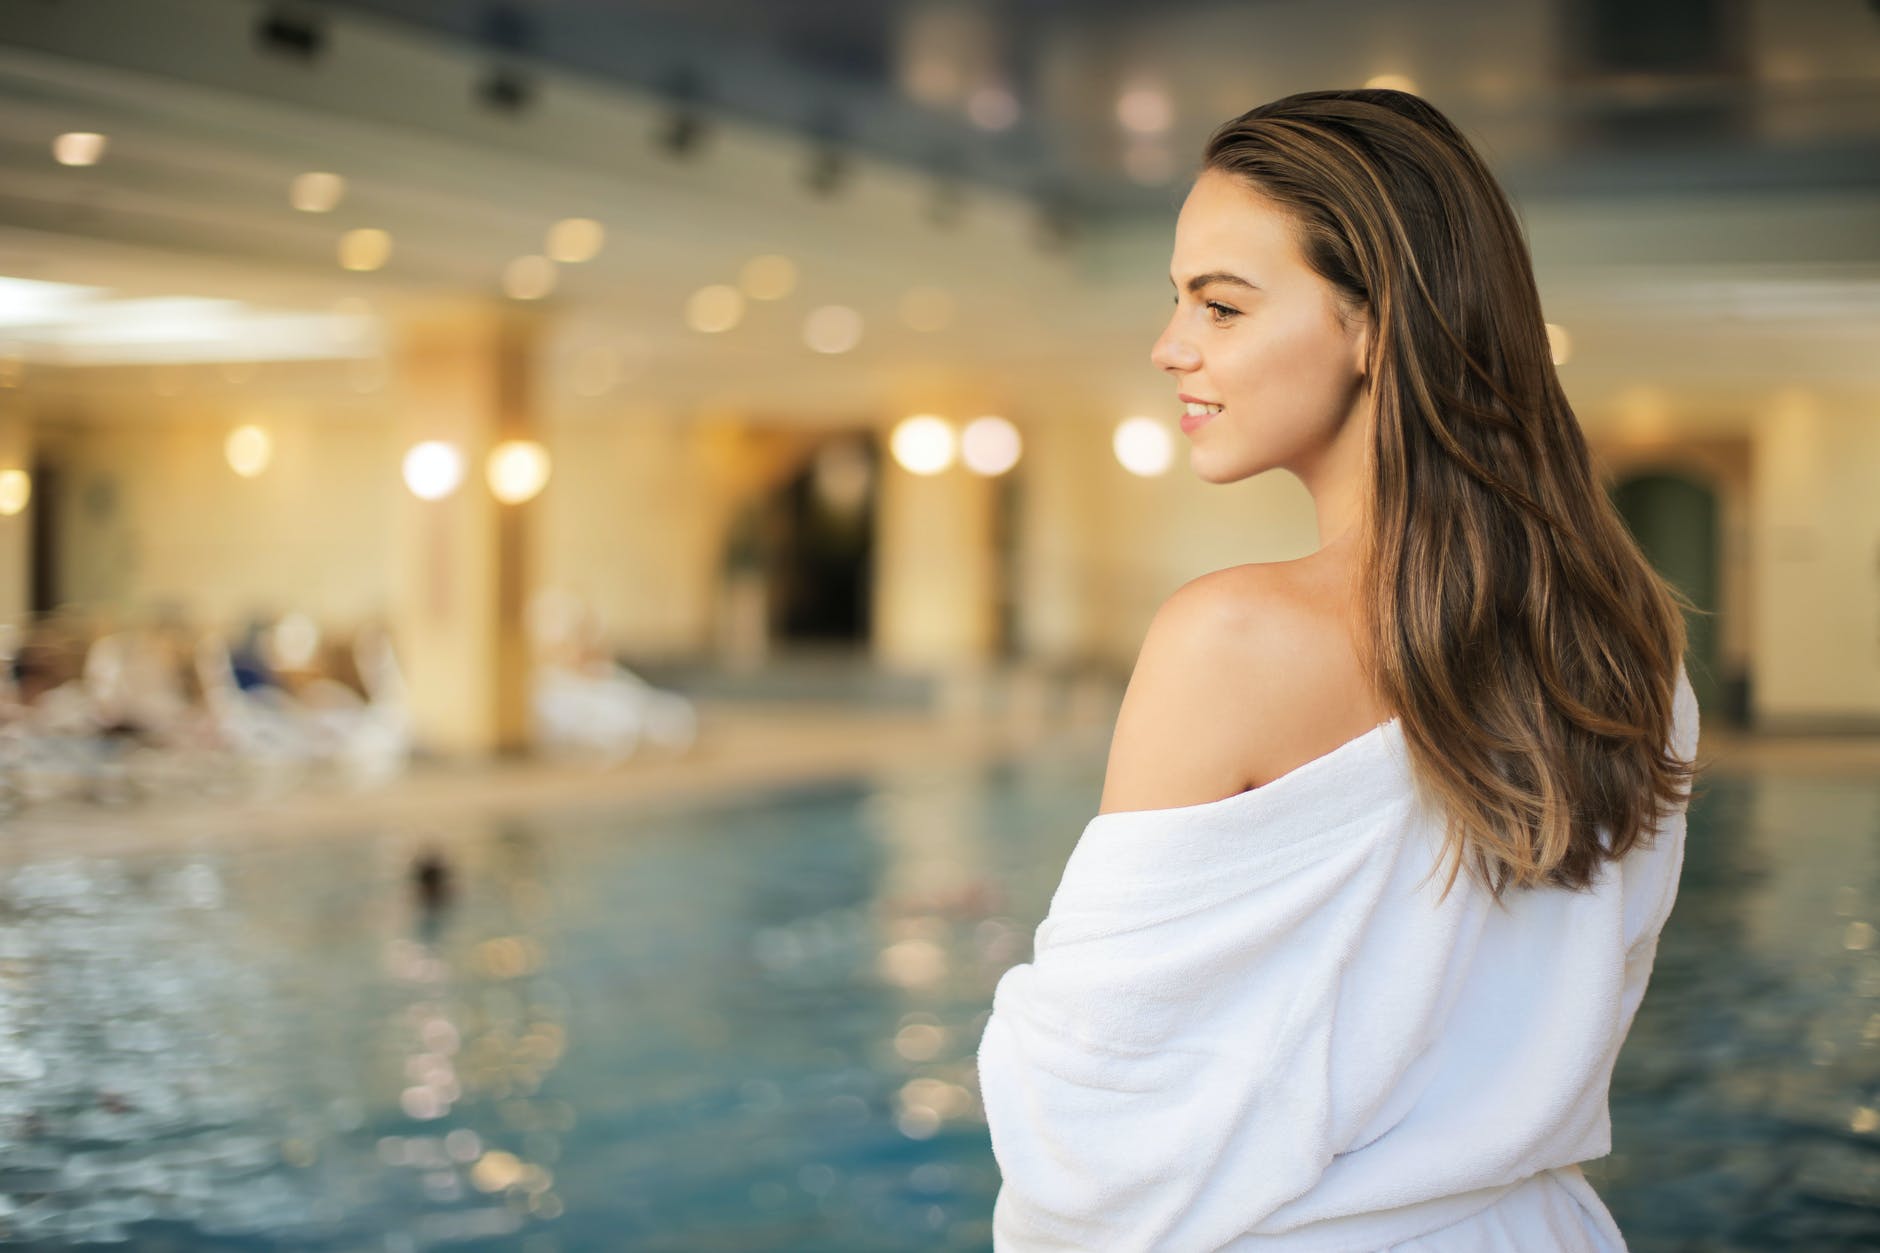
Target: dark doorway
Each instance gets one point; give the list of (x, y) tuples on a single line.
[(1674, 520), (43, 512), (822, 570)]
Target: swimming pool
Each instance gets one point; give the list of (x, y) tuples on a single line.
[(749, 1025)]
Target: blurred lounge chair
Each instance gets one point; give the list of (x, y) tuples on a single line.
[(586, 703)]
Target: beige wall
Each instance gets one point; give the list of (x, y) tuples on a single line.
[(1816, 501), (935, 580), (634, 518), (16, 450), (631, 523), (151, 514), (1100, 548)]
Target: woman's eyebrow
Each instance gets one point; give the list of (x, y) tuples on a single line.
[(1199, 281)]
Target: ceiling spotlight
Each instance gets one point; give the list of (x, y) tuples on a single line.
[(508, 32), (529, 278), (574, 240), (714, 309), (366, 248), (248, 449), (833, 329), (287, 31), (316, 192), (78, 148)]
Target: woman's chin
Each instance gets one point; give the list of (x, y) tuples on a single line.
[(1210, 467)]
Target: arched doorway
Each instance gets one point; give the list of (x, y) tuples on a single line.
[(821, 571), (1674, 519)]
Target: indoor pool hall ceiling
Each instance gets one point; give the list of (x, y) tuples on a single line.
[(1028, 157)]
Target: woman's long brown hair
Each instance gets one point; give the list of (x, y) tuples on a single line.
[(1530, 649)]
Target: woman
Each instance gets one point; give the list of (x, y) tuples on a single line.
[(1260, 1015)]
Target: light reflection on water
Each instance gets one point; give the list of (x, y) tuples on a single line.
[(751, 1026)]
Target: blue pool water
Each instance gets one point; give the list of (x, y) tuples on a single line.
[(750, 1025)]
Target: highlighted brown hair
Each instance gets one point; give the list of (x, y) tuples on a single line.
[(1530, 649)]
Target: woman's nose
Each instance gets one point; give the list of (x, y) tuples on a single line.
[(1172, 352)]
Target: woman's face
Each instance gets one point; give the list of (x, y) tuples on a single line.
[(1257, 332)]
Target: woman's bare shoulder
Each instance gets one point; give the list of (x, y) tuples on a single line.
[(1245, 674), (1223, 667), (1256, 611)]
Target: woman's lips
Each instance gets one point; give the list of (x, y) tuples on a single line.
[(1192, 422)]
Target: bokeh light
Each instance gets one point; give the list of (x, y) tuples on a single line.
[(366, 248), (316, 192), (574, 240), (923, 444), (433, 469), (1143, 446), (833, 329), (249, 449), (78, 148), (529, 278), (16, 489), (715, 309), (990, 445), (517, 470)]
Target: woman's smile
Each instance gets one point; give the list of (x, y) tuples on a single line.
[(1195, 413)]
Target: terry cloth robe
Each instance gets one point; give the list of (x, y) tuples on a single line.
[(1248, 1024)]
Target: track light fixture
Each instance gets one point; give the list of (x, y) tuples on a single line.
[(290, 32), (682, 130), (510, 32)]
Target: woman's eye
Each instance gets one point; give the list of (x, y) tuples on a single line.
[(1220, 312)]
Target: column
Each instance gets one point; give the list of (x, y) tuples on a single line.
[(935, 570), (460, 577), (16, 530)]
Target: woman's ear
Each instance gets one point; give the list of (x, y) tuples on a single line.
[(1363, 330)]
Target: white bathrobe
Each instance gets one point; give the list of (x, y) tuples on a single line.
[(1249, 1025)]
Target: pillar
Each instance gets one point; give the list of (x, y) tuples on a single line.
[(460, 575), (16, 534), (935, 605)]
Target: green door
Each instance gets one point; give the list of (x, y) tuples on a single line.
[(1675, 522)]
